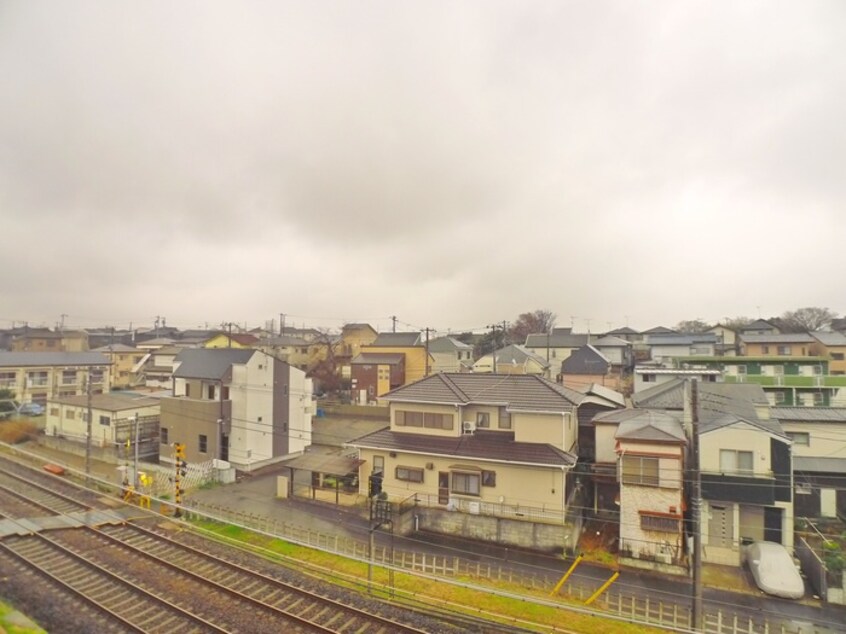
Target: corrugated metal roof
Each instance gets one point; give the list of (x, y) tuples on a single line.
[(516, 391), (493, 446), (43, 359)]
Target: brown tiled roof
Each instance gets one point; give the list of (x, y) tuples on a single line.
[(490, 446), (515, 391)]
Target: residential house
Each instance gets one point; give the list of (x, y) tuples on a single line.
[(832, 346), (113, 420), (353, 337), (818, 437), (665, 347), (156, 343), (778, 345), (450, 355), (587, 366), (293, 350), (418, 362), (728, 342), (650, 448), (758, 327), (124, 360), (35, 377), (375, 374), (556, 346), (513, 359), (744, 461), (628, 334), (658, 330), (484, 454), (231, 340), (102, 337), (156, 367), (618, 351), (46, 340), (236, 404), (309, 334)]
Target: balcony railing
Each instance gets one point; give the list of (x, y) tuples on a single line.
[(788, 380)]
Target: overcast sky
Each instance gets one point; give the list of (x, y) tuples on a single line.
[(450, 163)]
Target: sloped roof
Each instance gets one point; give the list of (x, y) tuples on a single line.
[(210, 363), (284, 340), (375, 358), (810, 414), (793, 337), (586, 360), (830, 338), (515, 391), (448, 344), (715, 399), (646, 425), (659, 330), (116, 347), (38, 359), (517, 355), (603, 392), (397, 339), (610, 341), (489, 446), (674, 339), (758, 324), (625, 330), (556, 340), (727, 420)]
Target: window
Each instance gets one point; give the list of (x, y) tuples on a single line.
[(409, 474), (778, 370), (105, 421), (799, 438), (187, 389), (36, 378), (421, 419), (204, 443), (224, 393), (54, 411), (483, 419), (784, 351), (648, 378), (7, 379), (504, 419), (465, 483), (68, 377), (736, 462), (211, 392), (780, 397), (803, 488), (837, 356), (816, 370), (819, 399), (660, 523), (70, 414), (163, 435), (642, 470), (378, 464), (96, 376), (741, 369), (765, 349), (488, 478)]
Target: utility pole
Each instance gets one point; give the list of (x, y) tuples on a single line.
[(137, 442), (427, 351), (394, 319), (281, 324), (229, 338), (493, 342), (696, 508), (157, 326)]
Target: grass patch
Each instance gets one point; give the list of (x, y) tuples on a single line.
[(13, 622), (522, 609)]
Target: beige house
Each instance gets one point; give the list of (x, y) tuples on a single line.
[(124, 359), (777, 345), (832, 346), (35, 377), (481, 454), (450, 355), (111, 416), (46, 340), (296, 351), (513, 359), (418, 363)]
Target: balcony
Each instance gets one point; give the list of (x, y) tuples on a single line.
[(744, 488), (788, 380)]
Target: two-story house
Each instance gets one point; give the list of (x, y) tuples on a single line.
[(758, 327), (450, 355), (486, 455), (664, 347), (375, 374), (35, 377), (417, 361), (46, 340), (124, 359), (776, 345), (512, 359), (556, 346), (832, 346), (238, 405), (818, 437)]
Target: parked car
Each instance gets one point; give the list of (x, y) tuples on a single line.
[(31, 409), (774, 570)]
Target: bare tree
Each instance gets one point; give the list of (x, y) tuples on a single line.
[(692, 326), (535, 322), (736, 323), (807, 319)]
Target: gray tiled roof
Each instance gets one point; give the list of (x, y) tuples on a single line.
[(625, 330), (448, 344), (517, 355), (715, 399), (491, 446), (516, 391), (43, 359), (116, 347), (210, 363), (556, 340), (659, 330), (810, 414), (648, 425), (726, 420), (610, 341), (795, 337), (585, 360), (397, 339), (830, 338)]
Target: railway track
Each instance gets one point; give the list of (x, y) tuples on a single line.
[(130, 578)]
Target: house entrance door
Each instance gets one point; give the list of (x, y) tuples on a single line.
[(443, 487), (772, 524), (721, 526)]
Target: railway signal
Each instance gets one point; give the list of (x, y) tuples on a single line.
[(181, 470)]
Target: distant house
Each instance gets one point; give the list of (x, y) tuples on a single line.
[(46, 340), (658, 330), (238, 405), (123, 360), (409, 344), (156, 367), (513, 359), (450, 355), (776, 345), (375, 374), (557, 345), (353, 337), (231, 340), (665, 347), (758, 327), (629, 334), (298, 352), (587, 366), (484, 454), (35, 377), (650, 375), (727, 343), (831, 345)]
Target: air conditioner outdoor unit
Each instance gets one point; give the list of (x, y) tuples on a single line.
[(468, 426)]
